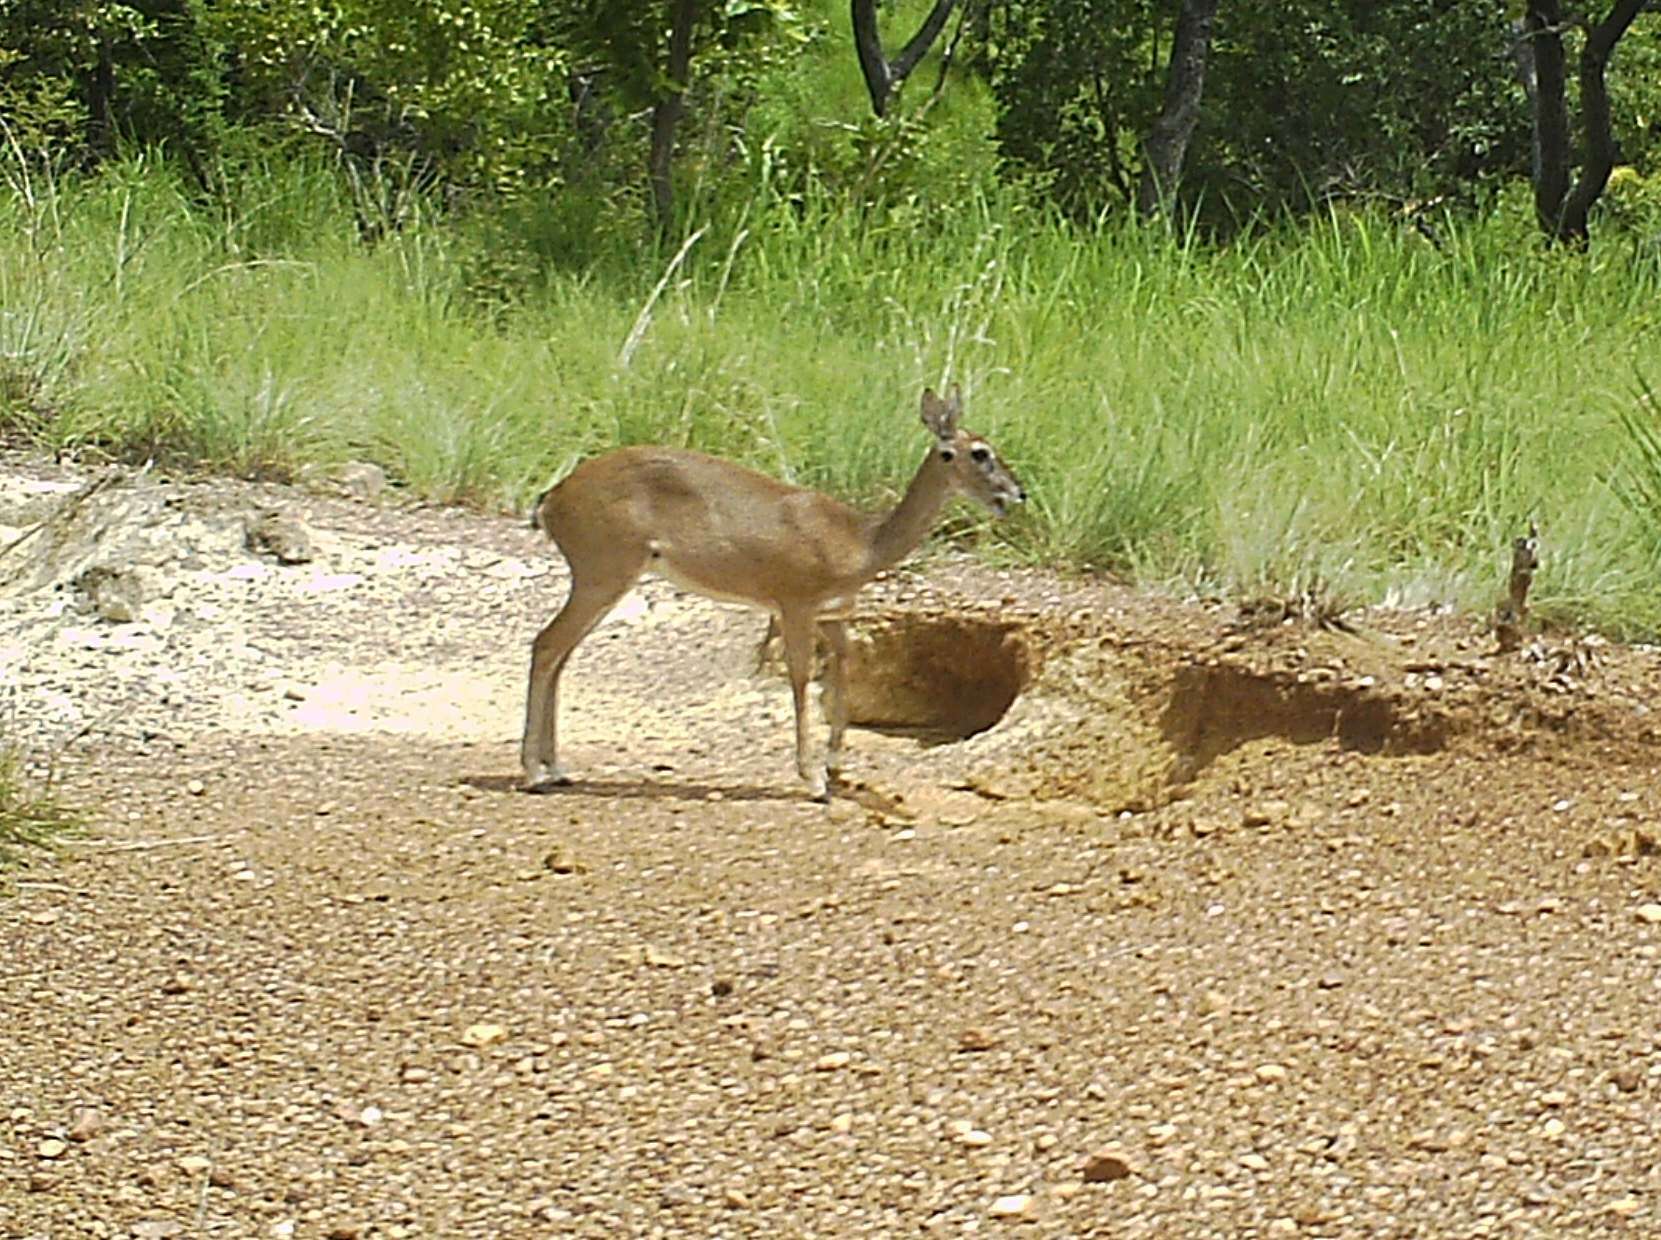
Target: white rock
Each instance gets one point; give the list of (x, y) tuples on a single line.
[(1016, 1205)]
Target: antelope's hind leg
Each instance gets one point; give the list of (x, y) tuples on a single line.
[(589, 601), (835, 633)]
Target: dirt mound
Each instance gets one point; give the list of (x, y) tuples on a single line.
[(1126, 706)]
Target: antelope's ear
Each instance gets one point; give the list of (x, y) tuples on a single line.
[(940, 416)]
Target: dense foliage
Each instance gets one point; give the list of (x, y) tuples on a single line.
[(255, 236), (1305, 100)]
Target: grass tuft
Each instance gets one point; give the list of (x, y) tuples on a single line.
[(31, 819)]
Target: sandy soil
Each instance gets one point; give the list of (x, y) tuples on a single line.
[(1229, 925)]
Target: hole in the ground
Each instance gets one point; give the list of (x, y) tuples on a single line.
[(938, 678), (1213, 710)]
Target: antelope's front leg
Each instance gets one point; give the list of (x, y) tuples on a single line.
[(797, 633), (835, 633)]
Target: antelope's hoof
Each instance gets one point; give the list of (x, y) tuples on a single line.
[(818, 785), (545, 779)]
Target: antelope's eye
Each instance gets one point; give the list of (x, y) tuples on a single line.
[(948, 454), (981, 453)]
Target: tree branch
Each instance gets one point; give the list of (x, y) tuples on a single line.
[(883, 76), (919, 44)]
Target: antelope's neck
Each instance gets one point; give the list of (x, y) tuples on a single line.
[(901, 532)]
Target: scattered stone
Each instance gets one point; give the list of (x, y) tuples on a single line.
[(195, 787), (178, 984), (40, 1182), (117, 594), (1270, 1073), (831, 1061), (657, 958), (974, 1039), (1269, 813), (86, 1124), (1160, 1134), (346, 1231), (1016, 1205), (285, 539), (157, 1229), (1254, 1162), (842, 1122), (1107, 1165), (1624, 1207), (195, 1164), (1649, 914), (483, 1034), (1626, 1080), (51, 1148), (361, 480), (558, 861)]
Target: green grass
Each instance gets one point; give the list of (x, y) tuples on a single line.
[(1340, 402), (30, 818)]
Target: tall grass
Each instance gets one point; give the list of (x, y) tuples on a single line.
[(1340, 402)]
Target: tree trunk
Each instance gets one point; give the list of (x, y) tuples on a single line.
[(1596, 123), (666, 115), (100, 96), (1167, 142), (883, 76), (1543, 48), (1561, 203)]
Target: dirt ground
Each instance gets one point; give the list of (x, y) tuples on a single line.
[(1222, 923)]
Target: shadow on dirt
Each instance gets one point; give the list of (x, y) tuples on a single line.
[(636, 789)]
